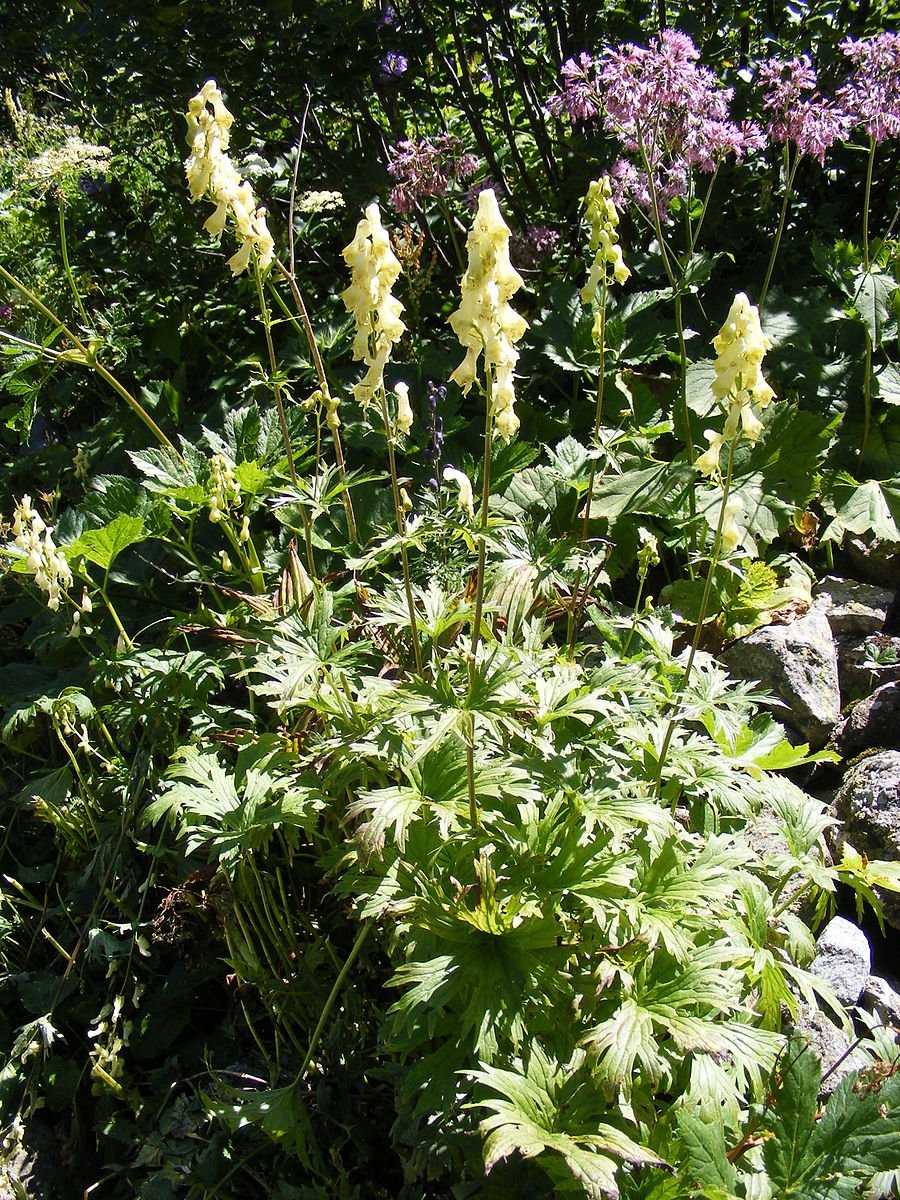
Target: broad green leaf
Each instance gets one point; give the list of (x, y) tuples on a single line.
[(792, 1121), (652, 490), (706, 1160), (870, 507), (103, 546)]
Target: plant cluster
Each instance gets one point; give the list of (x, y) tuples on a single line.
[(378, 819)]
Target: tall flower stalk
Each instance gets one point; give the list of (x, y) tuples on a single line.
[(603, 219), (487, 326), (740, 388), (374, 269)]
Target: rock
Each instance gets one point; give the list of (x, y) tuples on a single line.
[(830, 1043), (874, 723), (877, 562), (843, 959), (868, 805), (880, 998), (851, 607), (864, 664), (797, 662)]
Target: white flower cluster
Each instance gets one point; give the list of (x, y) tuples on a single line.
[(603, 219), (210, 172), (43, 559), (484, 320), (76, 156), (740, 347), (319, 201), (374, 269)]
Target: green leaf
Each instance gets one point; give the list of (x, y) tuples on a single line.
[(103, 546), (706, 1159), (651, 491), (792, 1122), (870, 507)]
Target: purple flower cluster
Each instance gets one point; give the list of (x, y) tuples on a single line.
[(533, 245), (871, 97), (663, 107), (427, 168), (5, 312), (797, 112), (672, 112), (580, 98)]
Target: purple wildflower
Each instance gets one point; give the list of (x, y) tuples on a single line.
[(393, 65), (5, 312), (672, 112), (534, 244), (92, 185), (579, 99), (427, 168), (386, 18), (797, 112), (872, 95)]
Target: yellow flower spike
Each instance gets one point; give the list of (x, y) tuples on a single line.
[(374, 269), (211, 173), (740, 347), (601, 215), (485, 323)]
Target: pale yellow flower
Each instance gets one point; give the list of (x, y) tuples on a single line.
[(404, 422), (708, 462), (485, 323), (465, 501), (731, 535), (374, 269), (210, 172), (603, 219), (740, 347), (43, 559)]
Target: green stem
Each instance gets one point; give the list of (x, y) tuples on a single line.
[(319, 367), (332, 997), (64, 247), (869, 170), (675, 715), (273, 370), (790, 170), (483, 515), (401, 529), (87, 357), (867, 401)]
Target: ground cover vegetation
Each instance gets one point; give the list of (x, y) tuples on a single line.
[(401, 405)]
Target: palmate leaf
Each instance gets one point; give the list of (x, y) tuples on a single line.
[(870, 507), (706, 1160), (544, 1106), (654, 490)]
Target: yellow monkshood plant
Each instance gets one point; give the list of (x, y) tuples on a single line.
[(485, 322), (211, 173)]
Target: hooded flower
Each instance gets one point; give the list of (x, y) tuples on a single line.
[(374, 269), (210, 172), (465, 501), (485, 322), (404, 422)]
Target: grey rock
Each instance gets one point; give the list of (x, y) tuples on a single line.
[(879, 997), (798, 663), (868, 805), (852, 607), (877, 562), (830, 1043), (843, 959), (874, 723), (864, 664)]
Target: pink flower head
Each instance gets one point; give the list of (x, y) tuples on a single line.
[(872, 95), (661, 104), (427, 168), (579, 99), (797, 112)]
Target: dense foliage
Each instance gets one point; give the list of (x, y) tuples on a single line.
[(378, 821)]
